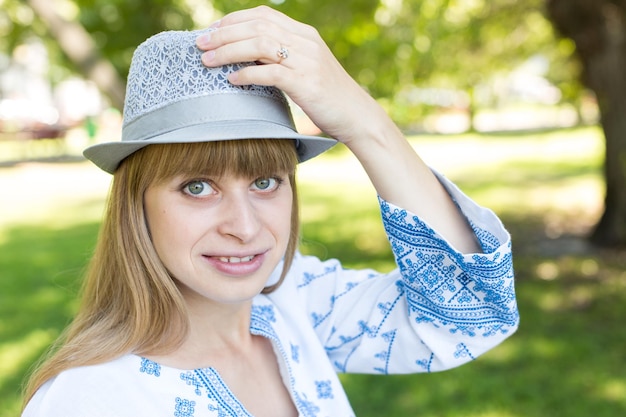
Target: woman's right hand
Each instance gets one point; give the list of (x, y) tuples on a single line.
[(310, 75)]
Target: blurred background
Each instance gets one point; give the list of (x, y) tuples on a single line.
[(521, 102)]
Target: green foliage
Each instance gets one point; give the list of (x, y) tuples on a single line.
[(118, 26), (15, 21), (388, 46), (391, 45)]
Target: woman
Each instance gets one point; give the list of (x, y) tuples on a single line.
[(197, 302)]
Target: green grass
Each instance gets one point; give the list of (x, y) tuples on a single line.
[(567, 359)]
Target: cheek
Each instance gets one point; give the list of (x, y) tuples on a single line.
[(161, 222), (171, 231), (172, 240)]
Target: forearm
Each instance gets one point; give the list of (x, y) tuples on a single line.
[(402, 178)]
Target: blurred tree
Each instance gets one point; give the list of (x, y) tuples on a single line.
[(389, 46), (598, 29), (80, 48), (95, 38), (393, 46)]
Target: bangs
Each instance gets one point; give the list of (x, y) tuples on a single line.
[(246, 158)]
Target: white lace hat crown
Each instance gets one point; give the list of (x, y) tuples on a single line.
[(171, 97)]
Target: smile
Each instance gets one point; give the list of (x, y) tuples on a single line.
[(235, 259)]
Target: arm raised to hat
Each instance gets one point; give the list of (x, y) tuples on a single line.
[(313, 78)]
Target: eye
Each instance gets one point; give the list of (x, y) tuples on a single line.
[(266, 184), (197, 188)]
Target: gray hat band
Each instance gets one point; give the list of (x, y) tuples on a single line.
[(206, 109)]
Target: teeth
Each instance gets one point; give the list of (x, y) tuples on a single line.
[(236, 260)]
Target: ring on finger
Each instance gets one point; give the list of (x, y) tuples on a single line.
[(283, 53)]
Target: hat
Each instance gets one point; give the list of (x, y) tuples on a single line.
[(171, 97)]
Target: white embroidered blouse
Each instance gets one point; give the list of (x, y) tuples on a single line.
[(439, 309)]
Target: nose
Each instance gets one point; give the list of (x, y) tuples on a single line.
[(239, 217)]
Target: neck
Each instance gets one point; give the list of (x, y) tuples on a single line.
[(216, 331)]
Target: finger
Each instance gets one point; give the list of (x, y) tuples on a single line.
[(289, 81), (271, 75), (247, 24), (265, 49), (263, 13), (257, 41), (216, 37)]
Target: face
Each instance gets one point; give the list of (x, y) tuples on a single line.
[(220, 238)]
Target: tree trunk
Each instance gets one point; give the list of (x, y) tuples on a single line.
[(609, 71), (606, 75), (598, 30), (80, 48)]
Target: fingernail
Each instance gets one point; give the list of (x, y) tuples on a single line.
[(207, 57), (233, 77), (204, 39), (215, 25)]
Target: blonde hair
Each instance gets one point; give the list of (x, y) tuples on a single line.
[(129, 301)]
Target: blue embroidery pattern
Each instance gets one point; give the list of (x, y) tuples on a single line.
[(386, 355), (150, 368), (369, 331), (469, 296), (308, 278), (426, 363), (191, 379), (343, 366), (324, 390), (319, 318), (216, 390), (295, 353), (306, 407), (266, 312), (463, 351), (184, 408), (437, 283)]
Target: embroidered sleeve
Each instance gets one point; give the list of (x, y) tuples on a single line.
[(438, 310)]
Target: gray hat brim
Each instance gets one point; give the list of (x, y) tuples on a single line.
[(207, 119)]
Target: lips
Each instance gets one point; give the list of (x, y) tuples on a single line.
[(236, 265)]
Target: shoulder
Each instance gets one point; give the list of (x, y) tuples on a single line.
[(306, 266), (109, 389)]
